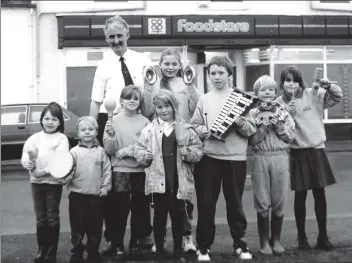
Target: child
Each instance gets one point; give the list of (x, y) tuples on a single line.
[(309, 165), (221, 162), (168, 146), (171, 71), (46, 190), (270, 170), (88, 186), (128, 176), (187, 96)]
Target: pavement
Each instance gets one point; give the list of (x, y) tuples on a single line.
[(18, 222)]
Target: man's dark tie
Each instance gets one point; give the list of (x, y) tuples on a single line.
[(125, 73)]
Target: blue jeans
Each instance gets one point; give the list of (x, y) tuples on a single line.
[(46, 198)]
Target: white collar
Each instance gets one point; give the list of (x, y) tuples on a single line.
[(167, 128)]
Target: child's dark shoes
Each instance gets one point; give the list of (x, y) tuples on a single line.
[(323, 243), (303, 243)]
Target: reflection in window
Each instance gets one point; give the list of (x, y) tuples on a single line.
[(307, 71), (36, 111), (342, 73), (13, 115), (253, 73), (297, 53), (338, 53)]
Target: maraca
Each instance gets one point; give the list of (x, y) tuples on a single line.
[(33, 154), (110, 106)]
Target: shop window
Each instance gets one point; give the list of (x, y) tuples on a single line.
[(307, 71), (338, 53), (342, 73), (297, 53), (253, 72)]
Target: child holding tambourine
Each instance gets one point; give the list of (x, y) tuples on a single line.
[(46, 190)]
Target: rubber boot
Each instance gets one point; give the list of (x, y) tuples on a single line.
[(263, 230), (276, 227), (41, 235), (53, 234)]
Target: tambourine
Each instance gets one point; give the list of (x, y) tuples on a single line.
[(61, 164), (189, 74), (270, 110), (150, 75)]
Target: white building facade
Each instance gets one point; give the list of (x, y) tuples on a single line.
[(62, 42)]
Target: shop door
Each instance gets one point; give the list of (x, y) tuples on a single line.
[(79, 89)]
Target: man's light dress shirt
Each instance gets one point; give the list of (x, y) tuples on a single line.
[(108, 79)]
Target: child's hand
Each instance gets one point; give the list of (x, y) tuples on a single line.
[(103, 192), (62, 181), (239, 120), (121, 154), (183, 150), (30, 165), (39, 173), (292, 106), (274, 120), (266, 121), (109, 129), (148, 156)]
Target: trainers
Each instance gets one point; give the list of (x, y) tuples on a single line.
[(242, 251), (203, 255), (188, 244), (120, 250)]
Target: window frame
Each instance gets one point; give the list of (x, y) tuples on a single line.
[(16, 106)]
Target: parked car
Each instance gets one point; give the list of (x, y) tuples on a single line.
[(20, 121)]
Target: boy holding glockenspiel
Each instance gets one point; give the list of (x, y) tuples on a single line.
[(88, 186), (222, 162)]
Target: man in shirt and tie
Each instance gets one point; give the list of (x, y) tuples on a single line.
[(119, 68)]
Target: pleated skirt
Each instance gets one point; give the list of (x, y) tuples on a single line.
[(309, 169)]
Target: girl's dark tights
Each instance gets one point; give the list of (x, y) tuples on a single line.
[(319, 207)]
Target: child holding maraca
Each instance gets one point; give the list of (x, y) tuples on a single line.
[(121, 133), (46, 190)]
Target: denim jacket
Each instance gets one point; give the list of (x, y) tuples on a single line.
[(151, 140)]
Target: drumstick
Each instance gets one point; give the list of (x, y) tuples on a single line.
[(206, 120)]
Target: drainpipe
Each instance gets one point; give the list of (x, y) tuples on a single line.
[(33, 83)]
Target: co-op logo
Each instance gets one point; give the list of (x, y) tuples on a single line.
[(211, 26)]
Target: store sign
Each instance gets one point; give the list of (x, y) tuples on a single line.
[(205, 25)]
